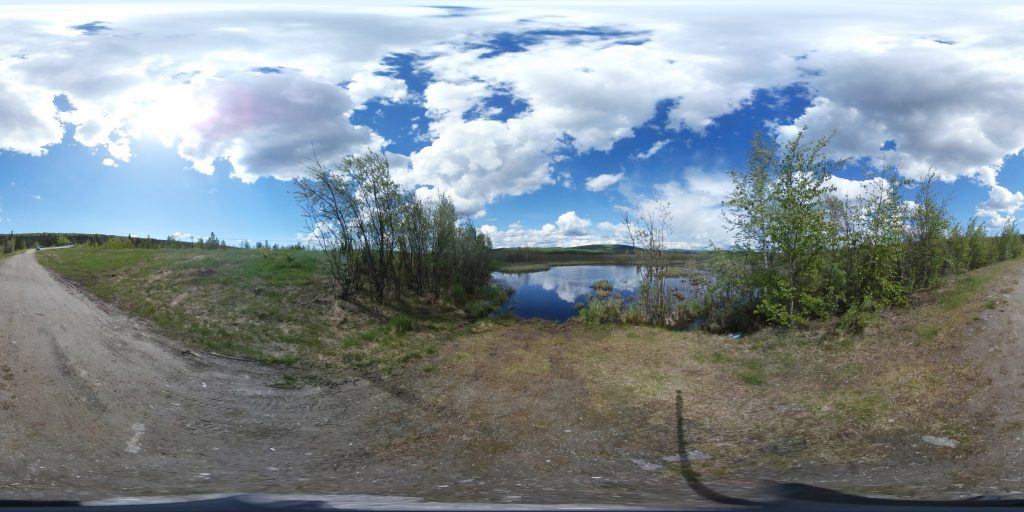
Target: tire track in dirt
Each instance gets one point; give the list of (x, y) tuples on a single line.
[(995, 341), (95, 404)]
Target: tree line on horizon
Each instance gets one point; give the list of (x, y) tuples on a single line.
[(12, 242)]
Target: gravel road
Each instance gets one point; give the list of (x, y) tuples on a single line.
[(94, 404)]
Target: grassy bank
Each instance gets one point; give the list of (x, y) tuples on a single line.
[(5, 255), (776, 399), (269, 306)]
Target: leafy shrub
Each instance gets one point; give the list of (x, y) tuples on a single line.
[(858, 317), (457, 295), (480, 308)]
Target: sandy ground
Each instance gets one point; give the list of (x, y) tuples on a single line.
[(94, 404)]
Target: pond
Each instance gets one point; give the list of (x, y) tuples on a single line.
[(553, 294)]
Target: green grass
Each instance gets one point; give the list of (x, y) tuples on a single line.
[(963, 289), (928, 332), (274, 307)]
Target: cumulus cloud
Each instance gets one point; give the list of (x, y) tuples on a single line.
[(260, 90), (696, 218), (28, 119), (951, 109), (1001, 206), (568, 230), (602, 181), (269, 124), (481, 160), (652, 150), (602, 92), (571, 224), (368, 85), (695, 205), (142, 75), (856, 190)]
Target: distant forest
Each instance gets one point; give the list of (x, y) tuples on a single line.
[(15, 242)]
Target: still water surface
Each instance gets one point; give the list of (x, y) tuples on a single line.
[(552, 294)]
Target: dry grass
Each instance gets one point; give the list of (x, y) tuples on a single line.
[(762, 402)]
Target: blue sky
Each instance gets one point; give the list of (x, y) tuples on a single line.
[(545, 124)]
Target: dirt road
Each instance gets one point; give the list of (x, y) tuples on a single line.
[(94, 404)]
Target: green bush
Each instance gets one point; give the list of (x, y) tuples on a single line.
[(457, 295), (480, 308), (858, 317), (401, 323)]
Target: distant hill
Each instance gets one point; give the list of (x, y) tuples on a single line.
[(579, 249), (603, 248), (585, 249)]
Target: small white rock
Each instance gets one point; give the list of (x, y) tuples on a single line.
[(940, 441), (690, 455), (646, 466)]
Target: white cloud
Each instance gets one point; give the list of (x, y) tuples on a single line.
[(696, 218), (571, 224), (601, 93), (695, 204), (146, 76), (653, 149), (28, 119), (37, 197), (367, 85), (449, 101), (952, 109), (1001, 205), (109, 162), (856, 190), (481, 160), (873, 69), (568, 230), (603, 181), (270, 124), (565, 178)]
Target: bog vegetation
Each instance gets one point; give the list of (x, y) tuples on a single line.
[(801, 252), (387, 242)]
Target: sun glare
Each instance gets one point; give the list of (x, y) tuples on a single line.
[(169, 113)]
